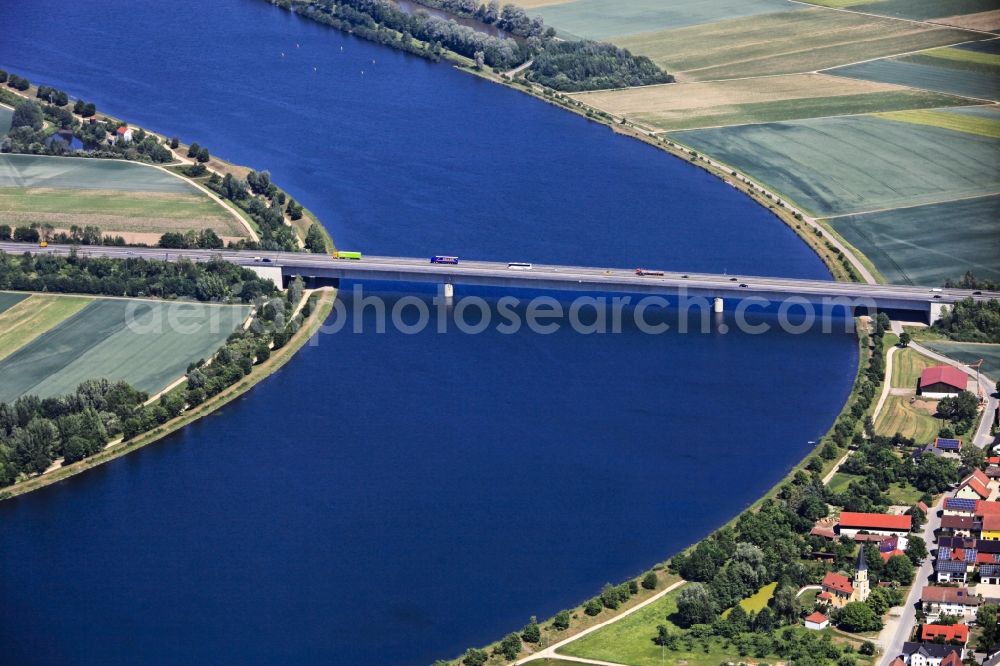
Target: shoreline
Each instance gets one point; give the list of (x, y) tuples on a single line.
[(321, 310)]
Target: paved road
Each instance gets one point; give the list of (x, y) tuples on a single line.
[(897, 630), (541, 276)]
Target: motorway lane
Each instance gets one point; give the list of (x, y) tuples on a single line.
[(539, 274)]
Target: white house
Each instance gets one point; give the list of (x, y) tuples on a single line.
[(817, 622), (938, 601)]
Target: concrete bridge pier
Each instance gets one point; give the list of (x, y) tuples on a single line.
[(447, 290), (717, 305), (935, 311)]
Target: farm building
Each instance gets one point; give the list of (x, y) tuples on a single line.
[(931, 654), (941, 381), (875, 523), (817, 621)]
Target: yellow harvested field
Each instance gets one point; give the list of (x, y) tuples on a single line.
[(913, 420), (985, 21), (798, 41), (907, 365), (700, 96), (25, 321), (970, 124)]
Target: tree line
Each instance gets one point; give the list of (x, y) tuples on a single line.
[(971, 321), (214, 280)]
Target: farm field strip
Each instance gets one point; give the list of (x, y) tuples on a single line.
[(907, 365), (982, 21), (601, 19), (924, 10), (959, 122), (920, 245), (772, 99), (855, 164), (937, 74), (113, 210), (85, 173), (128, 339), (964, 55), (803, 40), (9, 299), (29, 316)]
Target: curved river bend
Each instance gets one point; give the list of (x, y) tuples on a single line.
[(391, 499)]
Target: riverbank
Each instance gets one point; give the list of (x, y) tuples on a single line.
[(840, 258), (323, 306)]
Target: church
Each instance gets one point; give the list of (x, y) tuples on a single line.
[(839, 590)]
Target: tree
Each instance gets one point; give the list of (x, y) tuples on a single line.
[(474, 657), (27, 114), (531, 632), (593, 606), (858, 617), (203, 155), (193, 149), (510, 646), (973, 458), (174, 142), (786, 604), (315, 242), (695, 605), (879, 601), (989, 630), (649, 581), (561, 620), (904, 339), (935, 474), (916, 549), (867, 648)]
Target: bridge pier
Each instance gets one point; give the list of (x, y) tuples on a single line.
[(717, 305), (935, 311), (448, 291)]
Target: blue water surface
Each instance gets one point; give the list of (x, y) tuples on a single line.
[(392, 499)]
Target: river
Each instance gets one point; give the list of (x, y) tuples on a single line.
[(391, 499)]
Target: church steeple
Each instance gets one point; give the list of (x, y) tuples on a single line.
[(861, 589)]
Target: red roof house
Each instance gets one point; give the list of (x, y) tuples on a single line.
[(941, 379), (955, 633), (874, 522), (817, 621), (974, 486)]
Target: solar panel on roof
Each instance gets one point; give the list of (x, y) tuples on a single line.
[(948, 443), (948, 566), (960, 504), (989, 569)]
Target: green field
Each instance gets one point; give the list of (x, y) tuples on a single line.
[(796, 109), (31, 316), (754, 603), (84, 173), (930, 73), (787, 42), (982, 124), (147, 343), (600, 19), (847, 165), (114, 195), (967, 352), (10, 299), (925, 9), (919, 246), (898, 415), (6, 113)]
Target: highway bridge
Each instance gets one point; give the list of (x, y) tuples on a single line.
[(719, 289)]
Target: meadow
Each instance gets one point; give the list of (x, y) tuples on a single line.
[(117, 196), (906, 368), (9, 299), (147, 343), (899, 416), (772, 99), (921, 246), (789, 42), (922, 10), (854, 164), (601, 19)]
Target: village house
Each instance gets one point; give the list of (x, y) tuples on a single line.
[(960, 526), (941, 381), (123, 134), (954, 506), (955, 634), (931, 654), (990, 529), (975, 486), (959, 601), (874, 523)]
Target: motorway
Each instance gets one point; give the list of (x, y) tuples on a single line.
[(540, 276)]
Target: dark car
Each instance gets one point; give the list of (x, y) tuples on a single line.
[(743, 285)]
